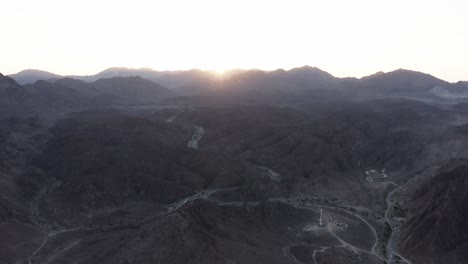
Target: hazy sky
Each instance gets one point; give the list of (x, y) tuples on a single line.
[(343, 37)]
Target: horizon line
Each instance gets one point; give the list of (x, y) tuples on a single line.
[(226, 71)]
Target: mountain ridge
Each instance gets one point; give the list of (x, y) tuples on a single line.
[(31, 75)]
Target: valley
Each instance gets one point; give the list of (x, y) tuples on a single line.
[(292, 167)]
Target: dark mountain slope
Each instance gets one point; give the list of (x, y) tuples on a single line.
[(199, 232), (14, 100), (437, 226), (315, 154), (20, 139), (104, 159), (7, 83), (131, 90)]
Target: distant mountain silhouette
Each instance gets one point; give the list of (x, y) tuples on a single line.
[(31, 76), (146, 73), (309, 82), (70, 94), (170, 79), (183, 78), (306, 73), (279, 86), (405, 78)]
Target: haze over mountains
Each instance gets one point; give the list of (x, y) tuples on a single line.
[(139, 166), (306, 72), (278, 86), (163, 77)]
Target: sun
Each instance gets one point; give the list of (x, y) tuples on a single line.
[(217, 67), (219, 72)]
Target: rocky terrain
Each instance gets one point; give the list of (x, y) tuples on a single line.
[(437, 224), (255, 167)]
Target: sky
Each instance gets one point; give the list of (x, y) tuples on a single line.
[(346, 38)]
